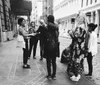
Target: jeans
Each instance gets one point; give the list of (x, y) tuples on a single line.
[(25, 53), (33, 44), (89, 61)]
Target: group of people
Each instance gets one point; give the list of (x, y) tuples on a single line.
[(47, 33), (83, 45)]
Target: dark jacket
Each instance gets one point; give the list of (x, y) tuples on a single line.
[(41, 31), (51, 38), (33, 39)]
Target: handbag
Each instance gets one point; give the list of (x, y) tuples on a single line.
[(20, 41)]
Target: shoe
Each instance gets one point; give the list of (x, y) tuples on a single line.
[(34, 57), (73, 78), (26, 66), (88, 74), (53, 77), (48, 77), (77, 78), (41, 59)]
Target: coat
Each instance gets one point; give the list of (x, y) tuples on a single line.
[(51, 47)]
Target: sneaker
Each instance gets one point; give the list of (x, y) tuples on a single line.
[(73, 78), (34, 57), (26, 66), (48, 77), (54, 77), (88, 74), (41, 59), (77, 78)]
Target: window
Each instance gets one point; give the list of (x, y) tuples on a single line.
[(82, 3)]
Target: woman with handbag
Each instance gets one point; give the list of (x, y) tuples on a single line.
[(24, 33)]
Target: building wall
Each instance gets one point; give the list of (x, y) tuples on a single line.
[(47, 7), (65, 8), (6, 20)]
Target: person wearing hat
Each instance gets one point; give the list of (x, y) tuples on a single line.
[(91, 47)]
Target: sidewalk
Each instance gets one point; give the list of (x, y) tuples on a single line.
[(12, 73)]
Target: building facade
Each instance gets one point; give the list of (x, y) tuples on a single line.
[(47, 8), (6, 26), (66, 10), (9, 10)]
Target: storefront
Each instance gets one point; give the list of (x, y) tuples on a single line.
[(9, 9)]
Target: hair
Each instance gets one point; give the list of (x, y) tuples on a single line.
[(92, 26), (41, 21), (32, 22), (82, 15), (50, 18), (20, 20)]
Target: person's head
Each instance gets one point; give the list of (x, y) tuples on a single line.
[(32, 24), (81, 18), (21, 22), (91, 27), (41, 22), (50, 18), (79, 31)]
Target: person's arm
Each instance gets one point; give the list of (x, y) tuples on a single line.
[(87, 40), (25, 34), (70, 32)]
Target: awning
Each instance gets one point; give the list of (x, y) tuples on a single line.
[(21, 7)]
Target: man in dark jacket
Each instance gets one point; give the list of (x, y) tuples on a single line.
[(51, 47), (41, 32)]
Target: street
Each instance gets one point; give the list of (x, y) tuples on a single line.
[(12, 73)]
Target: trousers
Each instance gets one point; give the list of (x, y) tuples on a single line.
[(51, 62), (25, 53), (89, 61), (33, 45)]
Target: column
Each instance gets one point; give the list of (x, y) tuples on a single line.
[(92, 17), (97, 21)]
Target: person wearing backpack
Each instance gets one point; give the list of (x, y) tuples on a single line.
[(51, 46)]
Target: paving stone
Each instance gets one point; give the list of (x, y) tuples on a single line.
[(12, 73)]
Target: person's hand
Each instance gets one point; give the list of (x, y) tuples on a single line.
[(78, 60), (32, 34), (38, 33)]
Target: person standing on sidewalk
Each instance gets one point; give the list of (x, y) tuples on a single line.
[(33, 40), (41, 30), (92, 47), (23, 32), (51, 47)]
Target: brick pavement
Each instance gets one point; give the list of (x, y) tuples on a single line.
[(12, 73)]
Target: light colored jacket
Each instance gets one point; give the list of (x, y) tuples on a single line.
[(92, 45)]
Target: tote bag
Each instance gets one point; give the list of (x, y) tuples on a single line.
[(20, 41)]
